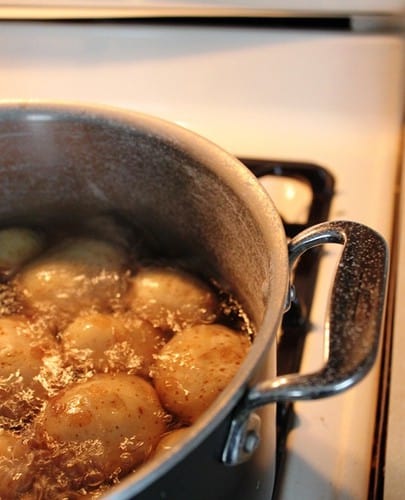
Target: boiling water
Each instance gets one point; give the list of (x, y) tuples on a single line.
[(34, 465)]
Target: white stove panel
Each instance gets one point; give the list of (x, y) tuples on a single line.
[(127, 8), (330, 98)]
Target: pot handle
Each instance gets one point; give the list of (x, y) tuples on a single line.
[(352, 329)]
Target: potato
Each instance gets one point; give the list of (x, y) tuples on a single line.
[(171, 440), (78, 274), (23, 349), (110, 343), (171, 299), (195, 366), (17, 246), (15, 460), (112, 421)]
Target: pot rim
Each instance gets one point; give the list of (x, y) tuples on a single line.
[(247, 187)]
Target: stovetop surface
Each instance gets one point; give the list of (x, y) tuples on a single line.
[(331, 98)]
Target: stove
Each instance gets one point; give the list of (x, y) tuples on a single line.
[(312, 104)]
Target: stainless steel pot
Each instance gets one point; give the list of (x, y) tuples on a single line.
[(199, 203)]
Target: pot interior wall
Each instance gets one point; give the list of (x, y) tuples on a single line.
[(61, 164)]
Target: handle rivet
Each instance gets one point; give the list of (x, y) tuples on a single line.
[(251, 442)]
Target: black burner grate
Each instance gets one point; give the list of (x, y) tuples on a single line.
[(296, 321)]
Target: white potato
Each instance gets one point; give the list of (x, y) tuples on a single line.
[(77, 274), (23, 348), (195, 366), (110, 343), (11, 445), (171, 299), (17, 246), (15, 459), (114, 421), (171, 440)]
